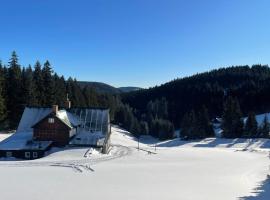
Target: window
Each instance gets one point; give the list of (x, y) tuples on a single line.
[(51, 120), (35, 154), (27, 154), (8, 154)]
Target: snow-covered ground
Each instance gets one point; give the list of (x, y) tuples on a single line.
[(210, 169)]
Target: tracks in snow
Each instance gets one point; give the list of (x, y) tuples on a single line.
[(78, 165)]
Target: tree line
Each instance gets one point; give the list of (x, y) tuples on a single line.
[(153, 122), (233, 124), (187, 104), (41, 86)]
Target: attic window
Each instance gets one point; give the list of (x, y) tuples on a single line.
[(51, 120)]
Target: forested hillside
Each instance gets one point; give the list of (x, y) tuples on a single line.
[(104, 88), (250, 85), (190, 103), (101, 88)]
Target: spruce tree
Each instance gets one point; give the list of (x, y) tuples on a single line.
[(60, 93), (2, 108), (190, 126), (120, 115), (14, 93), (39, 84), (135, 127), (232, 122), (205, 126), (48, 84), (75, 93), (251, 126), (28, 87), (162, 129), (144, 128), (91, 97), (3, 113)]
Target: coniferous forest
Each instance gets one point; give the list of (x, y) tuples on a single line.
[(188, 104), (39, 85), (191, 102)]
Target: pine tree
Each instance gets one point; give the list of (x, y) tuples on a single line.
[(251, 126), (232, 122), (265, 128)]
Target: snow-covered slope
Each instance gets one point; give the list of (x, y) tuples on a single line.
[(178, 170)]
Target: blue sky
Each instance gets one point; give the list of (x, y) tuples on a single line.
[(135, 42)]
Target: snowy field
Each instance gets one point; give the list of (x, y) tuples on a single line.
[(210, 169)]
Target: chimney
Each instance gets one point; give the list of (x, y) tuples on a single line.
[(68, 103), (55, 108)]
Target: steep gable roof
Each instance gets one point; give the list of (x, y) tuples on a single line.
[(68, 119), (32, 115)]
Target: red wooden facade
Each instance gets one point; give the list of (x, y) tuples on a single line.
[(52, 129)]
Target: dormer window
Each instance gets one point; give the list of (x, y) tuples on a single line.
[(51, 120)]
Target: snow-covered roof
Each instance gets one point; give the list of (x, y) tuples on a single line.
[(30, 117), (260, 118), (68, 118), (23, 140), (84, 138), (93, 119)]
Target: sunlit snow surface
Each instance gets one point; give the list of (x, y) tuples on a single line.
[(210, 169)]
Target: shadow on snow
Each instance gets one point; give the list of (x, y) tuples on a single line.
[(219, 142), (262, 192)]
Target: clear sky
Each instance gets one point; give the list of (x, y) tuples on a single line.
[(135, 42)]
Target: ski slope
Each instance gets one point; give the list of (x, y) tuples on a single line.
[(210, 169)]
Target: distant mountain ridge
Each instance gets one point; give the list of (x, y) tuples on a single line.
[(106, 88), (129, 89)]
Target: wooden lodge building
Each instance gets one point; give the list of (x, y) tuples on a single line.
[(41, 128), (56, 127)]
